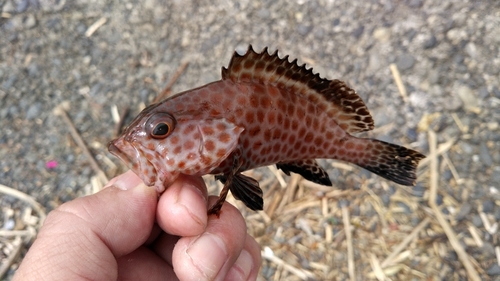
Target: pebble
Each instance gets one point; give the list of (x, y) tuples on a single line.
[(10, 82), (471, 50), (483, 93), (9, 224), (374, 62), (406, 208), (496, 92), (455, 35), (439, 200), (29, 21), (22, 6), (452, 256), (382, 34), (497, 213), (386, 199), (485, 155), (458, 59), (488, 206), (451, 103), (419, 190), (411, 34), (263, 13), (8, 7), (447, 175), (431, 42), (33, 70), (468, 98), (415, 3), (343, 203), (358, 32), (34, 111), (493, 270), (412, 134), (464, 211), (476, 221), (381, 117), (487, 249), (405, 62), (303, 29), (355, 211), (13, 110), (210, 43)]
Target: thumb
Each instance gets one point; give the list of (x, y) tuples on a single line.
[(87, 234)]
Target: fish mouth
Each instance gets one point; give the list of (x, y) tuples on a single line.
[(130, 155), (113, 149)]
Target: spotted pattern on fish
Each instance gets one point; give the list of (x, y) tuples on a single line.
[(265, 110)]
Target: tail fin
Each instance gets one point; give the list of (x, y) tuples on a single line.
[(393, 162)]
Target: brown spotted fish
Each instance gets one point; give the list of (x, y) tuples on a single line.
[(265, 110)]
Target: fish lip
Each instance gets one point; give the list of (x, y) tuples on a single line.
[(132, 163), (113, 149)]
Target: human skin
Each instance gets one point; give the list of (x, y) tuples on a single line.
[(125, 232)]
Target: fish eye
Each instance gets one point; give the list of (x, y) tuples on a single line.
[(159, 126)]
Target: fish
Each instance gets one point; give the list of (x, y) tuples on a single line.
[(264, 111)]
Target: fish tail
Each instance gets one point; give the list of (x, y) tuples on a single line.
[(393, 162)]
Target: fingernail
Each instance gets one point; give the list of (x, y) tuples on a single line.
[(242, 267), (127, 181), (208, 254)]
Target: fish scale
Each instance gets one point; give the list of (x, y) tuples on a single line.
[(265, 110)]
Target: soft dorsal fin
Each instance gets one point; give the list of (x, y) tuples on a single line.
[(341, 102)]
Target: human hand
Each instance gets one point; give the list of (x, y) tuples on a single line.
[(126, 232)]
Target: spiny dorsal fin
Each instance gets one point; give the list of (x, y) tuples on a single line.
[(342, 103)]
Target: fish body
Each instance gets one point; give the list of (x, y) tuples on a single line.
[(265, 110)]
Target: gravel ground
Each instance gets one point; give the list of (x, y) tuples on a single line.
[(447, 53)]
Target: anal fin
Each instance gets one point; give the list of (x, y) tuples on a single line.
[(308, 168), (245, 189)]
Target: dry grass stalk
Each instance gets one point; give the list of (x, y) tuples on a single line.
[(26, 198), (278, 175), (14, 254), (404, 244), (28, 234), (459, 123), (442, 148), (303, 274), (93, 28), (453, 171), (450, 233), (119, 119), (274, 201), (61, 111), (376, 268), (475, 235), (342, 166), (497, 254), (167, 90), (491, 228), (289, 192), (399, 82), (350, 249)]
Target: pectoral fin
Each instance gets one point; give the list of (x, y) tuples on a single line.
[(247, 190)]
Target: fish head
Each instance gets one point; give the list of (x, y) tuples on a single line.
[(159, 145)]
